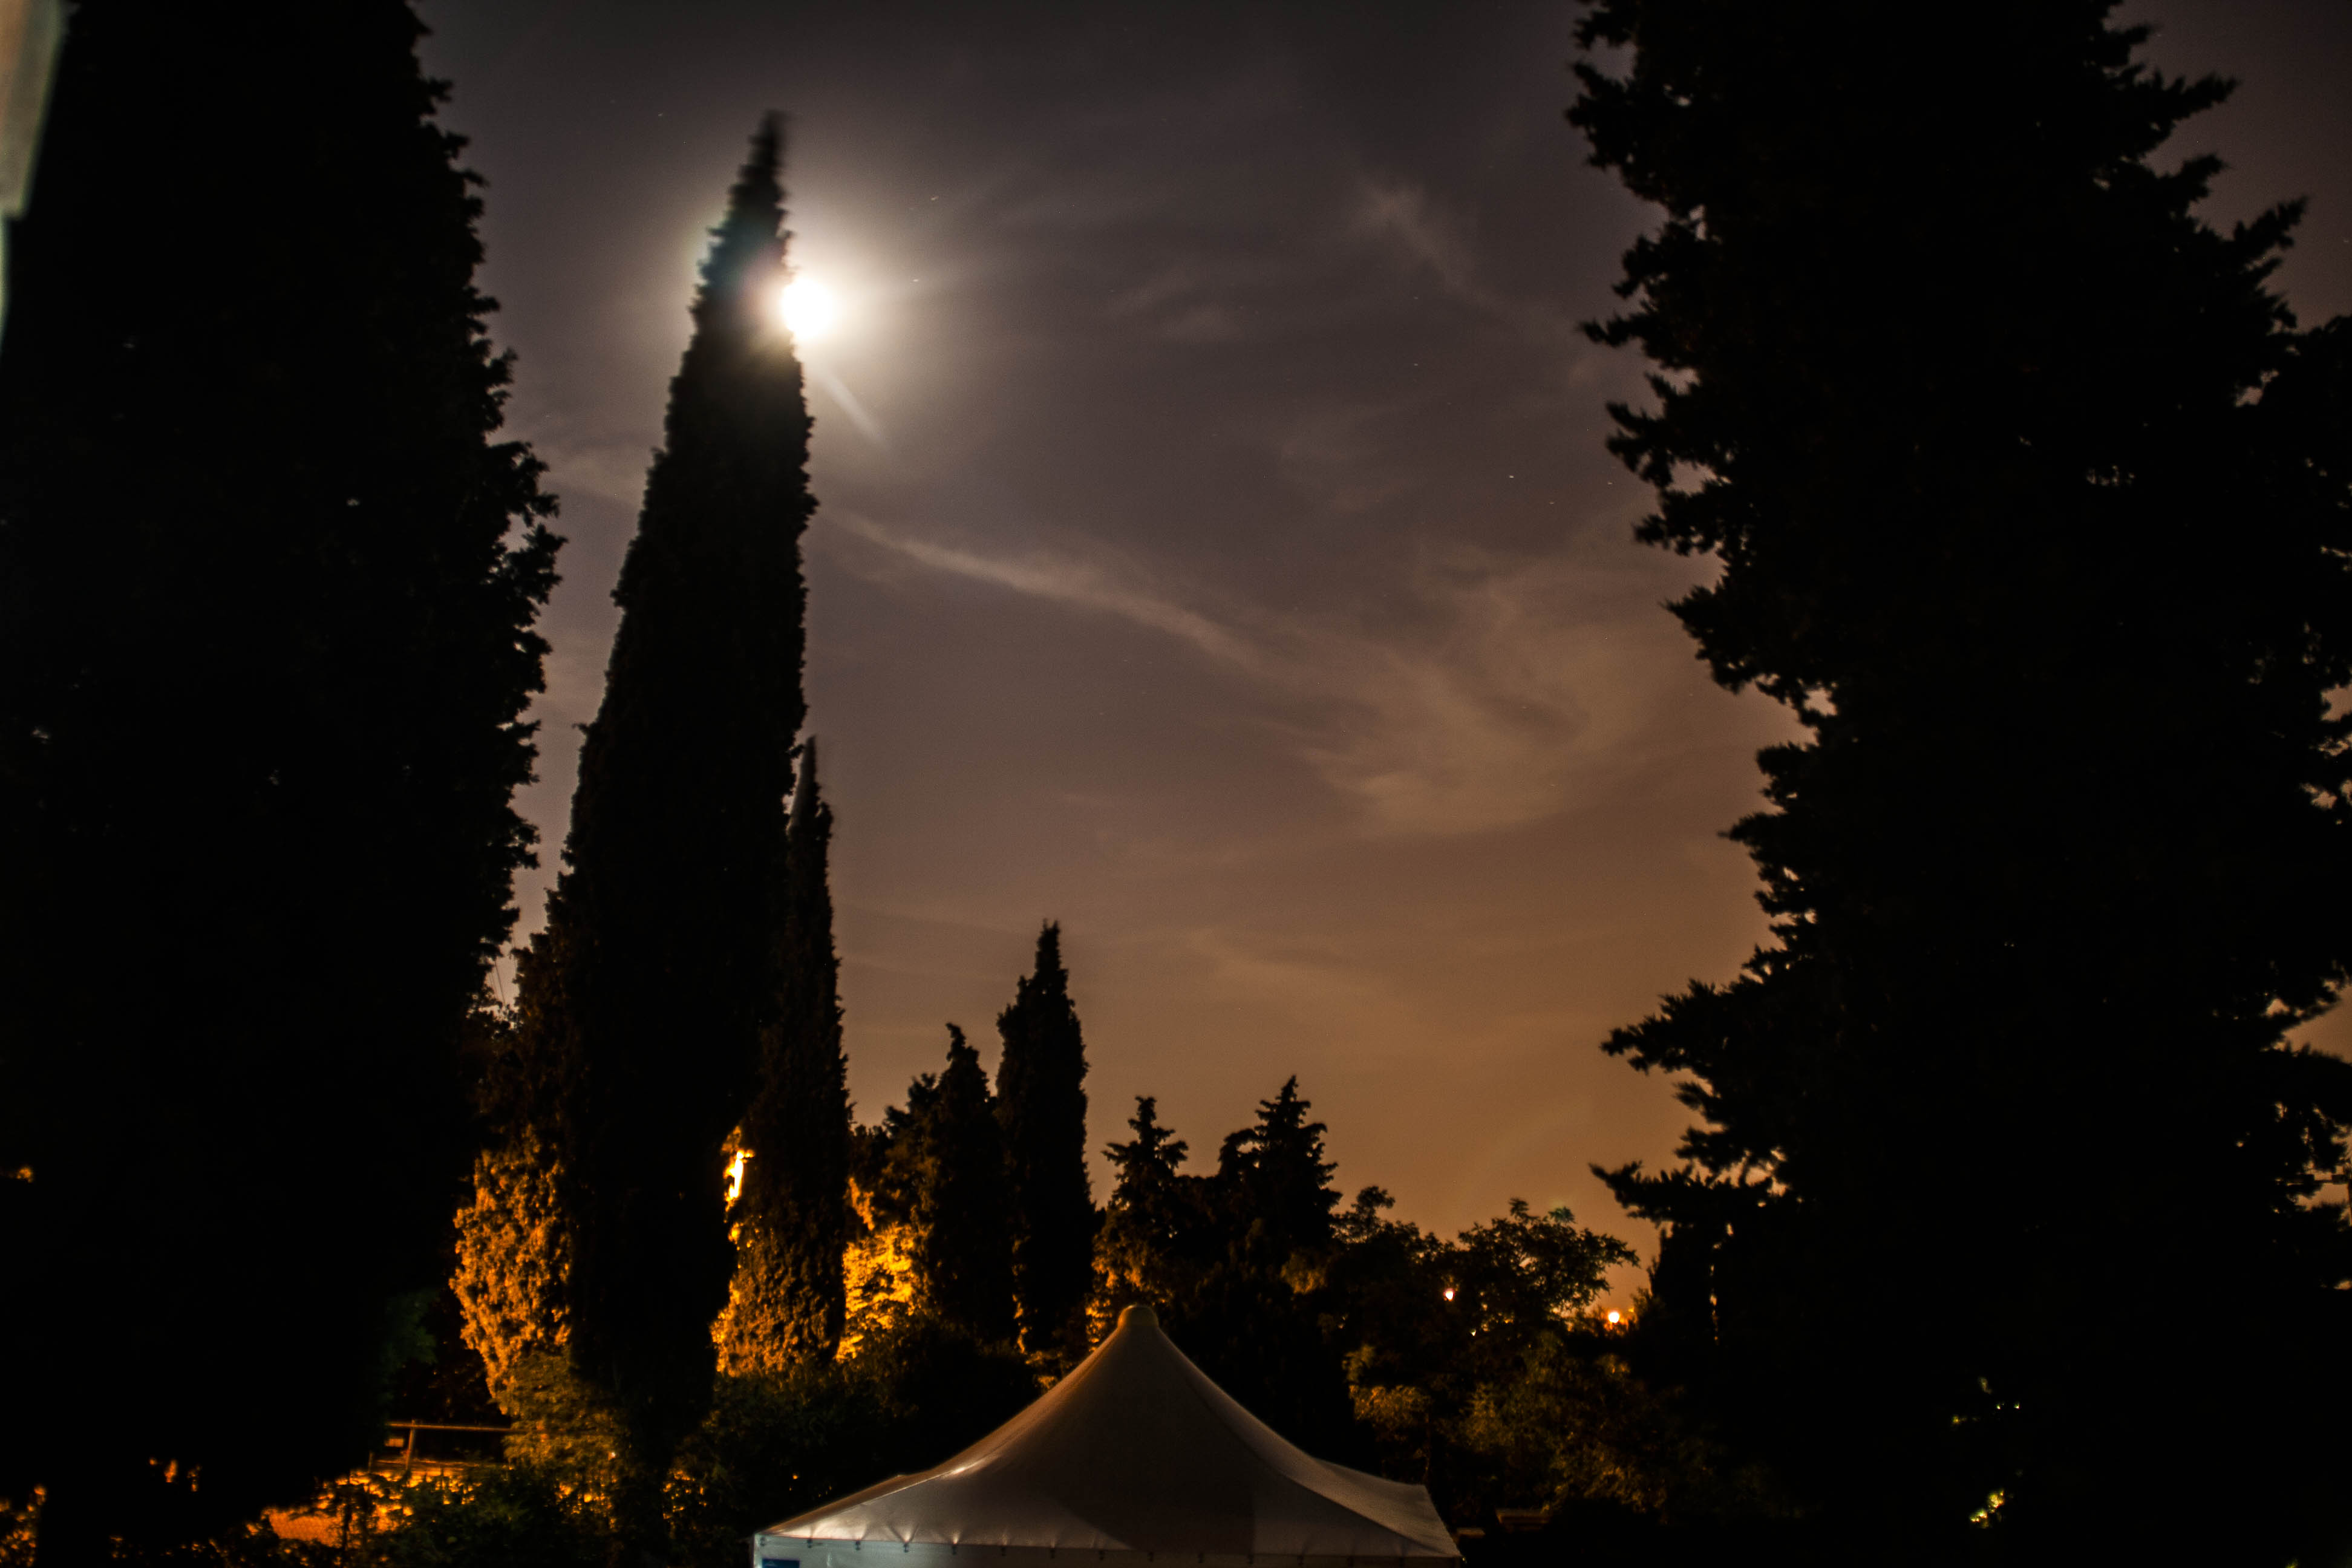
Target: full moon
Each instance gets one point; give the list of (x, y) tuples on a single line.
[(807, 308)]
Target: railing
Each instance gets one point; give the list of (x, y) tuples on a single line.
[(399, 1455)]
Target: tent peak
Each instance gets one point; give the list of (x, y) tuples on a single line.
[(1141, 1316)]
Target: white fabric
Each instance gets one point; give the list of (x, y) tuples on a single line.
[(1136, 1452)]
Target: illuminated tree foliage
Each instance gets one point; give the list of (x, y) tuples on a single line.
[(512, 1274), (268, 584), (792, 1216), (648, 994), (514, 1266), (2031, 503), (1041, 1099)]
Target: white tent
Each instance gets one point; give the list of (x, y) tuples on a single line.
[(1135, 1456)]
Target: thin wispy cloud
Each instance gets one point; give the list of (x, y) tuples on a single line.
[(1438, 242), (1519, 689)]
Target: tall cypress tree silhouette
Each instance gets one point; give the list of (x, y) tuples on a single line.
[(1041, 1099), (268, 584), (655, 974), (2030, 502), (791, 1219), (962, 1199)]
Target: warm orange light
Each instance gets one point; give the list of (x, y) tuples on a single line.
[(1613, 1318), (1449, 1292), (735, 1174)]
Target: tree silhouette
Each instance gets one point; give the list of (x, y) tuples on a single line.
[(1277, 1184), (656, 975), (935, 1169), (1160, 1231), (1236, 1261), (1041, 1099), (2030, 502), (963, 1209), (268, 585), (793, 1219)]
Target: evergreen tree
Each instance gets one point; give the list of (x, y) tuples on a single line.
[(656, 975), (963, 1204), (2031, 503), (1041, 1099), (1160, 1230), (1237, 1263), (512, 1274), (934, 1186), (792, 1217), (1277, 1184), (268, 585)]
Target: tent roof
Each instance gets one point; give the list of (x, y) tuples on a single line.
[(1137, 1451)]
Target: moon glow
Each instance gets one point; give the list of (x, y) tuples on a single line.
[(807, 308)]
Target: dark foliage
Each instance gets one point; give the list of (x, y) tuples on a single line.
[(2032, 506), (1482, 1370), (654, 978), (268, 584), (1158, 1235), (1474, 1366), (938, 1168), (792, 1218), (1276, 1185), (520, 1516), (1233, 1263), (1041, 1099), (773, 1445), (447, 1382)]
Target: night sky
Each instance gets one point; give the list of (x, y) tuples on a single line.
[(1217, 551)]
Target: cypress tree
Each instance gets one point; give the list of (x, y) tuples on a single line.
[(268, 584), (655, 977), (963, 1214), (1041, 1099), (2031, 502), (786, 1303), (938, 1168)]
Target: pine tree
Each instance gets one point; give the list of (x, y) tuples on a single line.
[(1248, 1268), (792, 1218), (656, 969), (268, 586), (2031, 503), (1160, 1230), (1041, 1099), (1278, 1185)]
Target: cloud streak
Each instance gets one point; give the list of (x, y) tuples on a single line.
[(1513, 691)]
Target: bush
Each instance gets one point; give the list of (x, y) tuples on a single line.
[(520, 1516)]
